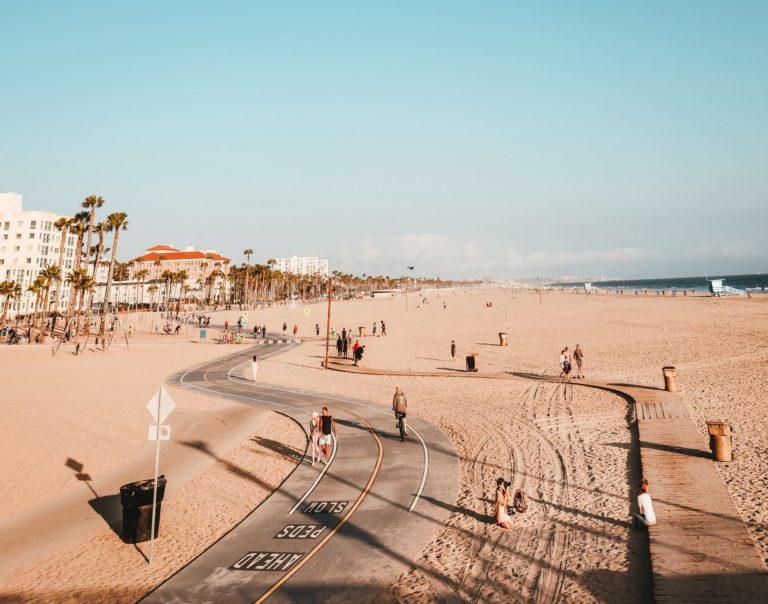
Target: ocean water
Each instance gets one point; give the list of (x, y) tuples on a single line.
[(757, 282)]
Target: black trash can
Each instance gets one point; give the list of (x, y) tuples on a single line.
[(136, 499), (471, 366)]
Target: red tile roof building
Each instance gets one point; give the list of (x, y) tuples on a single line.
[(199, 264)]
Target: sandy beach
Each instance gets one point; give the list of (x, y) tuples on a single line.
[(572, 449)]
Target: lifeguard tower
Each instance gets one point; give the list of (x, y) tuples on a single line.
[(718, 288)]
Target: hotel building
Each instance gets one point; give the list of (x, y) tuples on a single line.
[(199, 264), (303, 266), (29, 243)]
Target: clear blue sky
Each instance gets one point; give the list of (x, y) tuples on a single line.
[(469, 138)]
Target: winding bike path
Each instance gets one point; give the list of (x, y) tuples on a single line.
[(337, 532)]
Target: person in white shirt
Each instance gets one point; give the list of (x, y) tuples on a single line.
[(646, 517), (254, 367)]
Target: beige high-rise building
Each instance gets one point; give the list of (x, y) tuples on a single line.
[(29, 243)]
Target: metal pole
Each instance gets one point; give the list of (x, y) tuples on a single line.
[(328, 326), (538, 287), (157, 471)]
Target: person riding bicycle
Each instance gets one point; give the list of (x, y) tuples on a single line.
[(400, 407)]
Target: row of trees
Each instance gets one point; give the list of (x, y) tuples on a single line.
[(81, 277), (252, 283)]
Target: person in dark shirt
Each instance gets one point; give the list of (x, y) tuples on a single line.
[(327, 432)]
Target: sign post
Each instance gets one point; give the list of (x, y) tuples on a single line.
[(160, 407), (328, 326)]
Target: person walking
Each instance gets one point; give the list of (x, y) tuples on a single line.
[(226, 325), (355, 348), (453, 349), (295, 330), (565, 364), (339, 346), (501, 513), (400, 407), (374, 328), (646, 517), (328, 429), (254, 367), (285, 326), (578, 356), (317, 329), (314, 436), (344, 333), (345, 347), (383, 328)]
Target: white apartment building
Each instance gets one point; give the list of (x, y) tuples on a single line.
[(311, 265), (28, 243)]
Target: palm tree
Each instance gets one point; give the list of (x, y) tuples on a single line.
[(248, 252), (168, 276), (75, 280), (152, 289), (62, 224), (99, 228), (36, 287), (51, 274), (91, 203), (180, 276), (11, 290), (77, 227), (116, 222), (140, 276)]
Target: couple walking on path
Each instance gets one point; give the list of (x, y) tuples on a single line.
[(322, 431), (566, 363)]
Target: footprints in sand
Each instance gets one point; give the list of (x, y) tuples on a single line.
[(543, 438)]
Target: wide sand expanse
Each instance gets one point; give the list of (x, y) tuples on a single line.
[(573, 450)]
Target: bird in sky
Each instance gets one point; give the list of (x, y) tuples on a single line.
[(410, 268)]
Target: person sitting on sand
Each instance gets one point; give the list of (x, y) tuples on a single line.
[(501, 514), (646, 517)]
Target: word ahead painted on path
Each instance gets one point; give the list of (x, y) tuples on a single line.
[(325, 507), (301, 531), (275, 561)]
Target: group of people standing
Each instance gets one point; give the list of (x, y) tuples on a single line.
[(344, 343), (567, 361)]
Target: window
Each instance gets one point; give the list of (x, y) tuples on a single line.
[(31, 235), (18, 235), (33, 224), (16, 248), (29, 260), (7, 226)]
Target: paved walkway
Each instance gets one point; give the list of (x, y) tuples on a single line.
[(330, 533), (700, 549)]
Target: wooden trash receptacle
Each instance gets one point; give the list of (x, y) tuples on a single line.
[(502, 338), (670, 379), (720, 440)]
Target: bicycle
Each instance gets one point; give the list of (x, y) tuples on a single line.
[(401, 425)]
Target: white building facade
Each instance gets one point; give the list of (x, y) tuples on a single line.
[(29, 243), (311, 265)]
